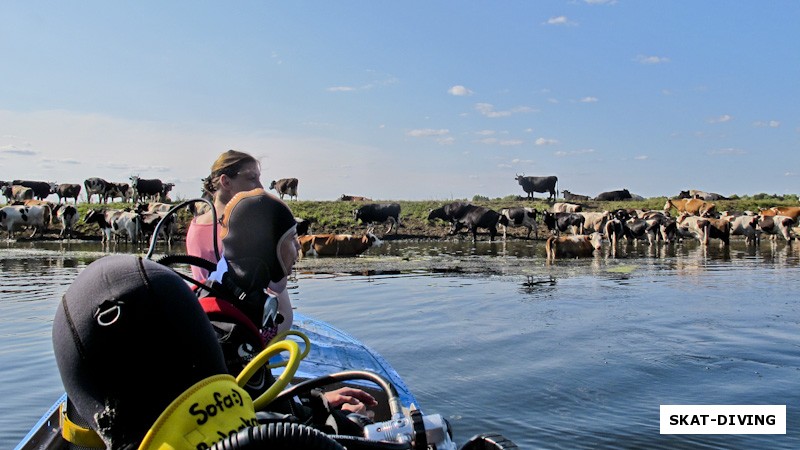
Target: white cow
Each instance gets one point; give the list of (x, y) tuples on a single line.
[(743, 225), (595, 221), (566, 207)]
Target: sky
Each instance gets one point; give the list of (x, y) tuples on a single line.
[(411, 100)]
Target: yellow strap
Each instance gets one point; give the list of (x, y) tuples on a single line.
[(76, 434)]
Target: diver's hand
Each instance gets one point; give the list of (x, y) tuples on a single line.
[(350, 399)]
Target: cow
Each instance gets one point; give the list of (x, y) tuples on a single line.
[(667, 226), (17, 193), (566, 207), (520, 217), (776, 225), (614, 230), (595, 221), (337, 244), (538, 184), (570, 197), (303, 226), (96, 185), (119, 223), (743, 225), (449, 212), (149, 221), (354, 198), (41, 189), (788, 211), (572, 246), (153, 207), (67, 215), (693, 206), (285, 186), (708, 196), (704, 228), (560, 222), (67, 191), (380, 213), (146, 189), (642, 229), (18, 216), (165, 190), (614, 196), (122, 191), (473, 217)]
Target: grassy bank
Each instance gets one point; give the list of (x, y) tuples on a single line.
[(337, 216)]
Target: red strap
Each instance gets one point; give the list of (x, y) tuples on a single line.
[(213, 305)]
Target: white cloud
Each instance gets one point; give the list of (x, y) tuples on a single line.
[(341, 89), (589, 100), (770, 124), (485, 132), (426, 132), (459, 91), (13, 150), (600, 2), (642, 59), (721, 119), (448, 140), (488, 141), (727, 151), (560, 20), (511, 142), (487, 109), (544, 141), (641, 157), (578, 152)]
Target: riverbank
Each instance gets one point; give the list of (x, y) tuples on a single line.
[(337, 216)]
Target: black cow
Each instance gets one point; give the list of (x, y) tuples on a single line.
[(570, 197), (614, 196), (285, 186), (144, 189), (381, 213), (41, 189), (303, 225), (121, 190), (521, 217), (538, 184), (560, 222), (469, 216), (67, 191), (97, 186)]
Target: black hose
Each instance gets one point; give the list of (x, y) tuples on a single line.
[(174, 209), (278, 436), (360, 443)]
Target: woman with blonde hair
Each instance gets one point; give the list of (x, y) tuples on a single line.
[(232, 172)]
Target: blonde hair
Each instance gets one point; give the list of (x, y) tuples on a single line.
[(228, 163)]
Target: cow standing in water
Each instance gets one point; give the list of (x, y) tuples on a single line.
[(285, 186), (538, 184)]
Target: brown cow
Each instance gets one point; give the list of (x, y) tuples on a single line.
[(575, 246), (337, 244), (354, 198), (693, 206), (788, 211)]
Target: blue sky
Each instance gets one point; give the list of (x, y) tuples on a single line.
[(407, 100)]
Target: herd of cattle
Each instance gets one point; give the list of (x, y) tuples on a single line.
[(572, 232)]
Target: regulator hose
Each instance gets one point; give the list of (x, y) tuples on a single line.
[(278, 436), (173, 210)]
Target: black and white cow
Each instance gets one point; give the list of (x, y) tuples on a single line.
[(521, 217), (68, 191), (150, 220), (449, 212), (146, 189), (379, 213), (121, 191), (560, 222), (96, 186), (702, 195), (538, 184), (285, 186), (119, 223), (614, 196), (67, 216), (41, 189), (21, 216)]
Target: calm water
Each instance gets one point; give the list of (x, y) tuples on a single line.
[(578, 354)]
